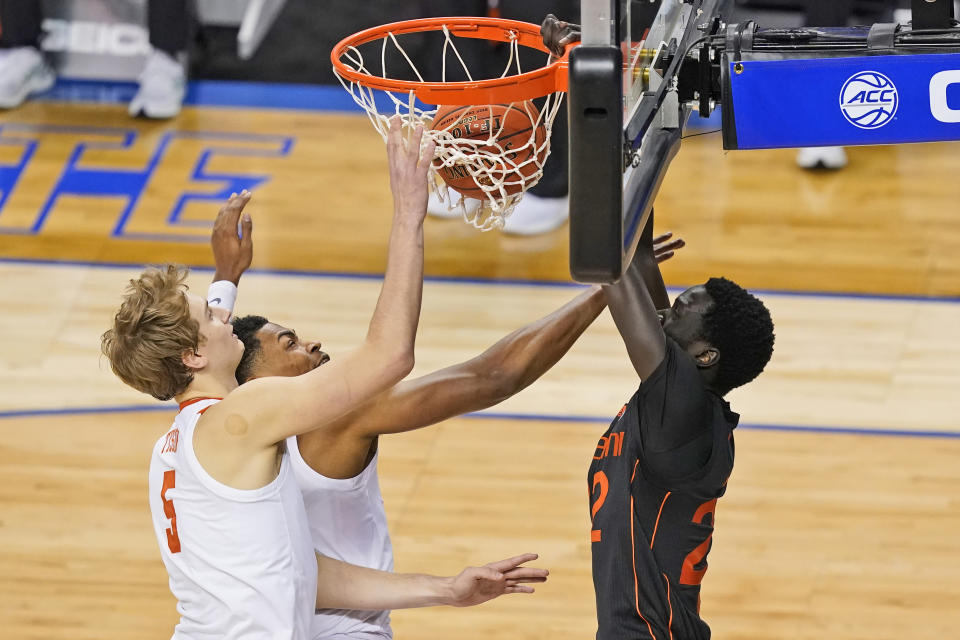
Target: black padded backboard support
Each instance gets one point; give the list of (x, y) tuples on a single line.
[(595, 104), (616, 166)]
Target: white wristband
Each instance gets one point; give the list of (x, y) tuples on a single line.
[(222, 294)]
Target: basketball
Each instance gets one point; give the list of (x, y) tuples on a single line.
[(507, 158)]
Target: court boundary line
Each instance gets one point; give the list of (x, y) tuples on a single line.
[(519, 282), (242, 94), (525, 417)]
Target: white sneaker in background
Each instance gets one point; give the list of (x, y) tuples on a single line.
[(534, 215), (439, 209), (825, 157), (23, 71), (163, 85)]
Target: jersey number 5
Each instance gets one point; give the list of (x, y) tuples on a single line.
[(599, 479), (169, 482)]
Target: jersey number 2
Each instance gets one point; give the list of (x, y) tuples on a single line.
[(599, 479), (169, 482), (690, 575)]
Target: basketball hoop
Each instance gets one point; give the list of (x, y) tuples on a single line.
[(499, 173)]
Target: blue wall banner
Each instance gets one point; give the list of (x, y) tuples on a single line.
[(844, 101)]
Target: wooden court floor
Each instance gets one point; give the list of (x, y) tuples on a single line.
[(838, 520)]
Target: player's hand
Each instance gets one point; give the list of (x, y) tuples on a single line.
[(665, 245), (232, 253), (476, 585), (557, 34), (408, 171)]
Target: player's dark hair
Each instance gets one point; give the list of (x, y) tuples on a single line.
[(739, 326), (246, 329)]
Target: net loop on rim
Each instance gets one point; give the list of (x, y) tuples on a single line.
[(501, 171)]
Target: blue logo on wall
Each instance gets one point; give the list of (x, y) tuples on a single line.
[(171, 216), (868, 100)]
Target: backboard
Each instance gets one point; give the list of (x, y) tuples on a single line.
[(626, 120)]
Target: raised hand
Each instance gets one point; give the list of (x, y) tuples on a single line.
[(232, 253), (408, 171), (557, 34), (476, 585), (664, 247)]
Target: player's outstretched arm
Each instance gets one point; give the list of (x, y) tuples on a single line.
[(346, 586), (280, 407), (633, 302), (232, 252), (507, 367), (503, 370)]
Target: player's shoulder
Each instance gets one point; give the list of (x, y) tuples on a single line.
[(676, 375), (723, 413), (242, 403)]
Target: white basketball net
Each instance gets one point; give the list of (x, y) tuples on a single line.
[(494, 168)]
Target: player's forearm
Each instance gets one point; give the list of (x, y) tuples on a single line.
[(520, 358), (637, 321), (345, 586), (393, 327), (647, 268), (644, 271), (227, 276), (503, 370)]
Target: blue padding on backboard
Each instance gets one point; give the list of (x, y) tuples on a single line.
[(863, 100)]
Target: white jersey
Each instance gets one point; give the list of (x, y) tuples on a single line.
[(347, 522), (241, 562)]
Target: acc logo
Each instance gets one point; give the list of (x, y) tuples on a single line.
[(868, 100)]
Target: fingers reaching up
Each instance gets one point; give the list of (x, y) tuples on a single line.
[(409, 163), (232, 250), (665, 245)]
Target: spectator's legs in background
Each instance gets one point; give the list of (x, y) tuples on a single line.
[(23, 70), (170, 23), (825, 14), (163, 81), (545, 206), (475, 53), (429, 61), (20, 21), (829, 14)]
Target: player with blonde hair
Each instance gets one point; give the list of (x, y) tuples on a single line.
[(226, 509)]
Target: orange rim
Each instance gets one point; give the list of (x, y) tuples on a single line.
[(524, 86)]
